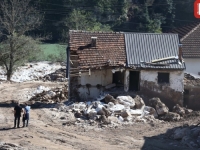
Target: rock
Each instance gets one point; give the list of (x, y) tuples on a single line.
[(125, 114), (117, 108), (105, 120), (179, 110), (160, 107), (127, 101), (113, 119), (92, 114), (170, 117), (180, 133), (136, 112), (110, 98), (151, 111), (139, 103), (188, 111)]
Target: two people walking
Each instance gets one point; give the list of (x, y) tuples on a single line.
[(17, 114)]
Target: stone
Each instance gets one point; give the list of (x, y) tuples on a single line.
[(170, 117), (113, 119), (179, 110), (105, 120), (109, 98), (127, 101), (159, 106), (188, 111), (125, 114), (139, 103), (151, 111), (154, 101), (92, 114)]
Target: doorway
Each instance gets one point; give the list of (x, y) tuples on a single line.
[(134, 84), (118, 78)]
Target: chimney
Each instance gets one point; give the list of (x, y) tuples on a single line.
[(94, 41), (180, 53)]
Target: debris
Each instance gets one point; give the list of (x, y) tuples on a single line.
[(139, 103), (179, 110), (170, 117), (159, 106), (126, 101)]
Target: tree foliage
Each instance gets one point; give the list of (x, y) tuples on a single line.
[(16, 19)]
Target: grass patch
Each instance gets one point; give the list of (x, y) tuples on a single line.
[(51, 52)]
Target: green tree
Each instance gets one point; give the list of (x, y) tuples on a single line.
[(16, 19), (82, 20)]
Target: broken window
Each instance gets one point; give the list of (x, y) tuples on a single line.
[(163, 78)]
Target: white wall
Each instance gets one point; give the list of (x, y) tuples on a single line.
[(192, 65), (102, 77), (176, 78)]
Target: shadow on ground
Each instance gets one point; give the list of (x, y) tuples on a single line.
[(187, 141)]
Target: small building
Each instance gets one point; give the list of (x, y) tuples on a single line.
[(139, 62), (93, 56), (189, 37)]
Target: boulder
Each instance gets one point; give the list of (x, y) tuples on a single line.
[(179, 110), (127, 101), (170, 117), (125, 114), (159, 106), (151, 111), (105, 120), (188, 111), (109, 98), (139, 103)]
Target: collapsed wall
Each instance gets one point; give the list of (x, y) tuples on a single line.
[(192, 92)]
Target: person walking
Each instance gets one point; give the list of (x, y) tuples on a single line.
[(17, 114), (26, 115)]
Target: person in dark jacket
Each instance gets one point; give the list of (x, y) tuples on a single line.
[(26, 115), (17, 114)]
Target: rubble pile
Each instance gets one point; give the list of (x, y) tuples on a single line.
[(122, 110), (163, 111), (31, 71), (187, 135), (59, 75), (51, 96), (191, 80)]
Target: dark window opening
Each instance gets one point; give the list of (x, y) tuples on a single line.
[(118, 78), (163, 78), (134, 82)]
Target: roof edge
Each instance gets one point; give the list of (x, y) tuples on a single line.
[(195, 28), (84, 31)]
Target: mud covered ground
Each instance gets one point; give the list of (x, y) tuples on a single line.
[(48, 131)]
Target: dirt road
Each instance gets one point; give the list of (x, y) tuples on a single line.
[(46, 131)]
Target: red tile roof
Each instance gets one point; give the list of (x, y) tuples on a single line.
[(190, 38), (109, 50)]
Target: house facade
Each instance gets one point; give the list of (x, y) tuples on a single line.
[(189, 37), (148, 63)]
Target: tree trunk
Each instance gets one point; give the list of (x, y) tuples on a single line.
[(9, 74)]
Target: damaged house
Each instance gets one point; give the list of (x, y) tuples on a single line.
[(150, 64)]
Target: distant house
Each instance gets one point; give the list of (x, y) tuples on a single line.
[(144, 62), (190, 38)]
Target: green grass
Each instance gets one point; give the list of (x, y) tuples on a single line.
[(51, 52)]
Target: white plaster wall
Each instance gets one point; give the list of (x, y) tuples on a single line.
[(102, 77), (192, 65), (176, 78)]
